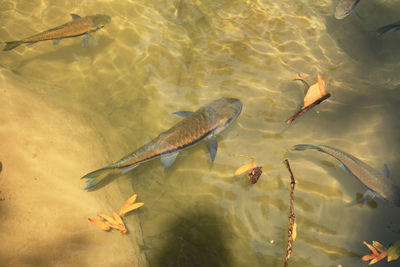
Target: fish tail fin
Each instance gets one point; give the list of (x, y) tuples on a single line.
[(99, 176), (387, 28), (302, 147), (11, 45)]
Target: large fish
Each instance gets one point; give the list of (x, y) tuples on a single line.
[(395, 25), (205, 123), (344, 8), (77, 27), (378, 182)]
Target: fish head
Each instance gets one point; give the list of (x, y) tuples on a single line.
[(344, 8), (99, 21), (226, 110)]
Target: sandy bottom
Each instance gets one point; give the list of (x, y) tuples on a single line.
[(43, 207)]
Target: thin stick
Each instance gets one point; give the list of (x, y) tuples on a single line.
[(305, 109), (291, 218)]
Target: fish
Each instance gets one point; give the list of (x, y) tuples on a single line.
[(394, 25), (344, 8), (205, 123), (79, 26), (377, 182)]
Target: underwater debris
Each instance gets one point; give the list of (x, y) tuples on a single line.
[(116, 222), (254, 171), (255, 174), (315, 95), (129, 205), (375, 256)]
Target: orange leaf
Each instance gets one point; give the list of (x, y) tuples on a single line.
[(100, 224), (245, 168), (315, 92), (107, 218), (375, 256), (130, 208), (117, 218), (130, 200), (321, 85)]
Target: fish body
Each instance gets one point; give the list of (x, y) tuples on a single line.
[(205, 123), (367, 175), (344, 8), (77, 27), (395, 25)]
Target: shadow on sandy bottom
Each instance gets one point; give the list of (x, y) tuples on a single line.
[(194, 240)]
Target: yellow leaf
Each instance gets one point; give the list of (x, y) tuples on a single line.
[(107, 218), (100, 224), (130, 208), (294, 233), (315, 92), (117, 218), (245, 168)]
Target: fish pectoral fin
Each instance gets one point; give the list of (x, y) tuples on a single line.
[(168, 159), (75, 16), (85, 40), (212, 145), (343, 167), (385, 171), (56, 41), (183, 113)]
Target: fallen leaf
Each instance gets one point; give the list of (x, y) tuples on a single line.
[(120, 223), (315, 92), (130, 208), (394, 251), (245, 168), (130, 200), (107, 218), (100, 224), (375, 256), (294, 232)]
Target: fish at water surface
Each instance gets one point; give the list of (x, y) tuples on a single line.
[(371, 178), (344, 8), (205, 123), (77, 27)]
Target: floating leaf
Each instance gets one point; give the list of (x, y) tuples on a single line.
[(120, 223), (245, 168), (394, 251), (100, 224)]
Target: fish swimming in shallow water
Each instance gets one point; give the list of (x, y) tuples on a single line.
[(77, 27), (395, 25), (344, 8), (205, 123), (379, 183)]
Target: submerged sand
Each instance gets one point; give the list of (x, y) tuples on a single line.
[(44, 210)]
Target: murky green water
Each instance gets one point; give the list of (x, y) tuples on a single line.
[(157, 57)]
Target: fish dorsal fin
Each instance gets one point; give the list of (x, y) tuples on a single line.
[(183, 113), (56, 41), (212, 145), (168, 159), (385, 171), (75, 16)]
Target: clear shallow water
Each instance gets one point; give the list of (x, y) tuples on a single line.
[(157, 57)]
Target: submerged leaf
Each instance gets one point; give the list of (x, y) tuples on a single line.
[(107, 218), (130, 208), (315, 92), (375, 256), (245, 168), (394, 251), (294, 232), (100, 224), (130, 200)]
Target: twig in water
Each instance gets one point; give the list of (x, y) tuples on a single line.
[(291, 218)]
